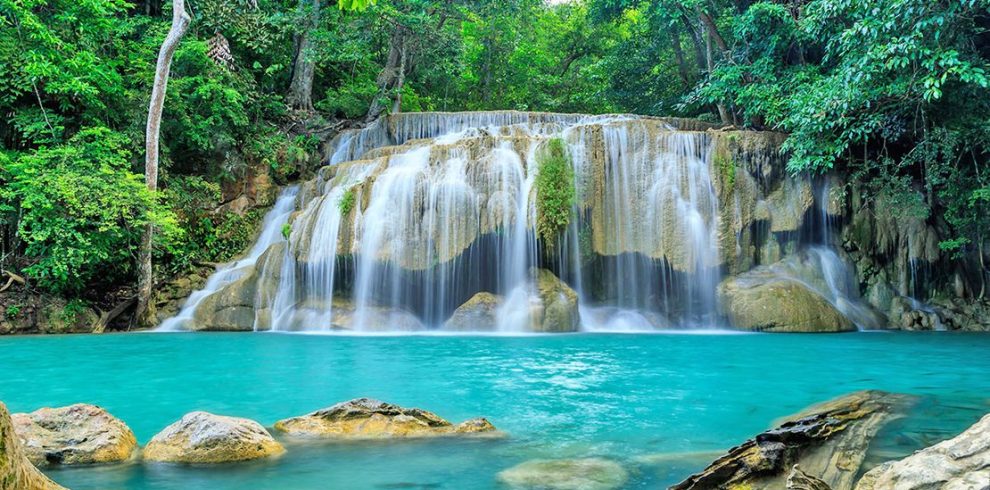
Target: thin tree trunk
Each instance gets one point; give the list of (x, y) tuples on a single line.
[(180, 23), (713, 31), (303, 68), (723, 113), (392, 74), (699, 49), (682, 68), (397, 107)]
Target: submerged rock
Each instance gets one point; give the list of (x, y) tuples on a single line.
[(566, 474), (960, 463), (16, 471), (201, 437), (365, 418), (761, 301), (77, 434), (477, 313), (828, 440)]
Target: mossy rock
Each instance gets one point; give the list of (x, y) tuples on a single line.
[(770, 304)]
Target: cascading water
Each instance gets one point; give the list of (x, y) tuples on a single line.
[(271, 232), (417, 213)]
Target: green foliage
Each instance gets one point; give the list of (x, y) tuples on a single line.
[(12, 311), (355, 4), (554, 191), (727, 169), (286, 230), (347, 200), (81, 210), (210, 236)]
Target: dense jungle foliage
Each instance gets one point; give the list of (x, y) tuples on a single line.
[(892, 92)]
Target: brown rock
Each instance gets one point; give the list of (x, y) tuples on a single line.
[(77, 434), (828, 440), (365, 418), (16, 471), (201, 437)]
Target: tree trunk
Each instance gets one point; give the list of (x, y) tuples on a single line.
[(682, 68), (723, 113), (392, 75), (699, 49), (397, 106), (303, 68), (180, 23)]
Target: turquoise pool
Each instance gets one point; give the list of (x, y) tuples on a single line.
[(652, 402)]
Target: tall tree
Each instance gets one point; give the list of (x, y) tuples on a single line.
[(180, 23), (300, 94), (303, 66)]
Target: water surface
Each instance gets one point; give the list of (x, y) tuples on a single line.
[(652, 402)]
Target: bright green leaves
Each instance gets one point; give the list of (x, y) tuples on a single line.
[(554, 191), (347, 200), (81, 210), (358, 5)]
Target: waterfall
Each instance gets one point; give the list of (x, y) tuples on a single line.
[(271, 232), (416, 213)]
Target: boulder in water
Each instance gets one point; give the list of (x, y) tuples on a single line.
[(559, 304), (566, 474), (960, 463), (477, 313), (201, 437), (16, 471), (828, 440), (764, 302), (231, 309), (373, 318), (365, 418), (77, 434)]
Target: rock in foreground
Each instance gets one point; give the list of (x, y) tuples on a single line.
[(16, 472), (364, 418), (961, 463), (77, 434), (201, 437), (566, 474), (828, 440)]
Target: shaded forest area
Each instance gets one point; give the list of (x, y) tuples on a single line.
[(892, 93)]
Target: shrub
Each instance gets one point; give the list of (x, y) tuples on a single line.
[(554, 191), (81, 210)]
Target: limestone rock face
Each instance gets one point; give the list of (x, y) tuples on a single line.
[(566, 474), (16, 471), (201, 437), (364, 418), (559, 310), (477, 313), (755, 301), (828, 440), (960, 463), (77, 434)]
